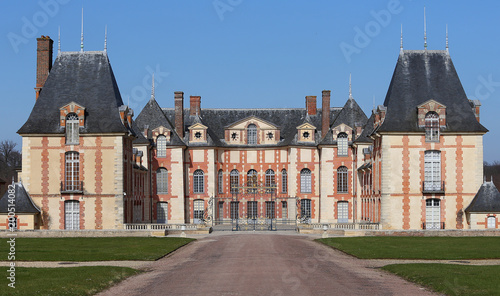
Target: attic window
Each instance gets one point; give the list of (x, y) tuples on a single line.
[(72, 129), (252, 134), (270, 136), (432, 127), (197, 135), (305, 135), (342, 144)]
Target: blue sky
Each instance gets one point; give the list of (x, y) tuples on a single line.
[(253, 54)]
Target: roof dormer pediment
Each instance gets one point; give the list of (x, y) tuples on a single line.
[(306, 125), (198, 126), (243, 123), (431, 105)]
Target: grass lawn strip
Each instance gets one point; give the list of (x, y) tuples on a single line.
[(432, 248), (451, 279), (94, 249), (65, 281)]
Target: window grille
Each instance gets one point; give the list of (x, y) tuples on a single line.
[(252, 134), (284, 181), (432, 127), (72, 129), (221, 182), (305, 209), (72, 172), (162, 181), (252, 210), (342, 144), (305, 181), (235, 209), (432, 167), (72, 215), (270, 209), (198, 181), (343, 211), (161, 146), (342, 181), (270, 180), (234, 179), (162, 212)]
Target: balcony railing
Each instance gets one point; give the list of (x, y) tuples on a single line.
[(72, 187), (433, 225), (433, 187)]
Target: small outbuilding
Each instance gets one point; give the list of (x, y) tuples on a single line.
[(21, 210), (484, 210)]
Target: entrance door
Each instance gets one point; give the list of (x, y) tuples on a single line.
[(221, 210), (432, 214), (72, 215), (198, 211)]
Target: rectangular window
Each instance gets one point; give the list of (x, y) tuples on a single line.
[(343, 211), (284, 182), (221, 183), (305, 210), (252, 210), (492, 223), (198, 211), (221, 210), (198, 181), (72, 172), (342, 182), (235, 209), (162, 212), (284, 210), (432, 181), (270, 209), (432, 214)]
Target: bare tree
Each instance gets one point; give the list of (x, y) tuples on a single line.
[(10, 158)]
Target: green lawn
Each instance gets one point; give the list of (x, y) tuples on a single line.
[(451, 279), (93, 249), (446, 248), (64, 281)]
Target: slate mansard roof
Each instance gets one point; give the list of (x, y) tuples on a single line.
[(22, 202), (422, 75), (487, 200), (87, 79)]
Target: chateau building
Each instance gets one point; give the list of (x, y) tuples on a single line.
[(414, 163)]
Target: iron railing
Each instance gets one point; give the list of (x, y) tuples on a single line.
[(433, 187), (432, 225), (72, 187)]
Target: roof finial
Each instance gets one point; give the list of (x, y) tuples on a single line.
[(81, 43), (446, 37), (106, 38), (59, 40), (373, 101), (425, 31), (153, 88), (350, 88), (401, 47)]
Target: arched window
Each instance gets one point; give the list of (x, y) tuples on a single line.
[(432, 127), (342, 144), (162, 181), (198, 181), (252, 180), (162, 212), (221, 182), (270, 180), (234, 181), (252, 134), (72, 215), (432, 170), (161, 146), (305, 181), (284, 181), (491, 222), (72, 129), (342, 180), (72, 172)]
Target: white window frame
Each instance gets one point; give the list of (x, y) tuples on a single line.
[(270, 180), (198, 210), (343, 212), (162, 181), (72, 171), (252, 180), (161, 146), (72, 215), (342, 144), (221, 182), (234, 181), (305, 181), (252, 134), (305, 210), (162, 212), (491, 222), (432, 213), (432, 127), (72, 129), (432, 170), (198, 182)]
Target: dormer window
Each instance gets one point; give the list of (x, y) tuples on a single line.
[(432, 127), (270, 136), (305, 135), (342, 143), (197, 135), (72, 129), (161, 146), (252, 134)]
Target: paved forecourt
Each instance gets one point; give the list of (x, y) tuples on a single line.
[(262, 264)]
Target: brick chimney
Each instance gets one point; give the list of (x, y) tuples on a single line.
[(325, 113), (179, 113), (195, 105), (311, 105), (43, 62)]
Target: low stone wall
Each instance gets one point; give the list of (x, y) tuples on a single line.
[(447, 232), (91, 233)]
